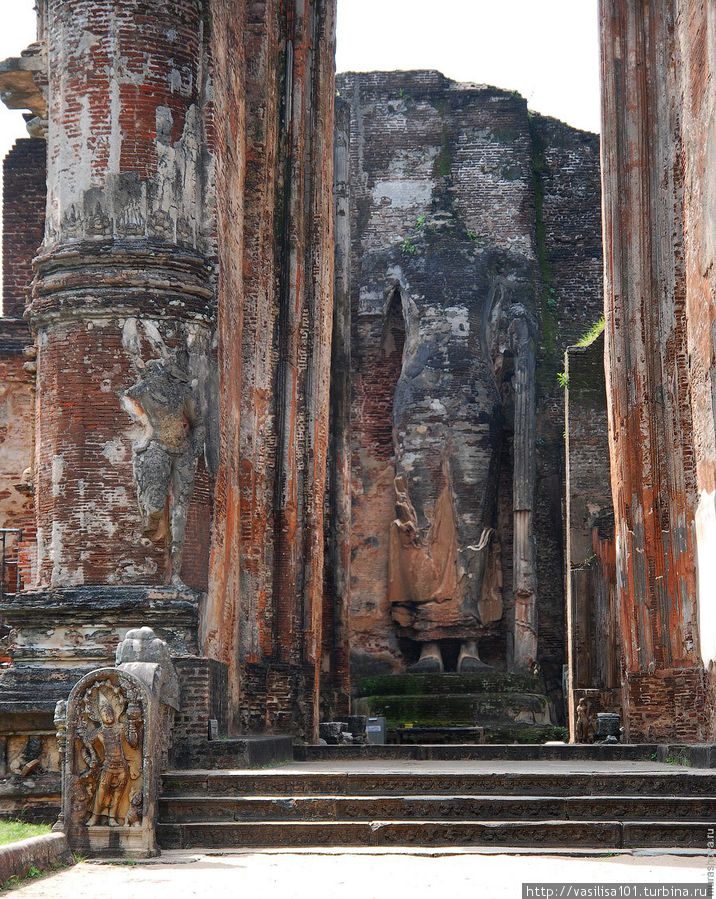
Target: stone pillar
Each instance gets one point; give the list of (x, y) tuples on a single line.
[(525, 575), (655, 432), (122, 312)]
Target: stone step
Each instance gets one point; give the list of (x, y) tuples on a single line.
[(644, 752), (412, 684), (241, 752), (288, 783), (453, 709), (534, 834), (209, 809)]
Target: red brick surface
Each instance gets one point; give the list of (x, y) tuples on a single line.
[(23, 220)]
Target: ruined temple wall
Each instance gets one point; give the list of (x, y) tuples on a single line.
[(23, 217), (420, 146), (17, 413), (569, 247), (659, 304), (423, 148)]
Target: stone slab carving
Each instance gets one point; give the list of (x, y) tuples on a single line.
[(113, 735)]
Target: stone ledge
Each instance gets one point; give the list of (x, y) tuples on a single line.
[(16, 859)]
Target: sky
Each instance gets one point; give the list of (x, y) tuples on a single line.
[(545, 49)]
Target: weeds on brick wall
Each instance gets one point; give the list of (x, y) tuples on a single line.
[(563, 379), (408, 248), (420, 221), (588, 338)]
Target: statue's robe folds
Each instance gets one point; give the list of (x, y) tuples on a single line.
[(429, 586)]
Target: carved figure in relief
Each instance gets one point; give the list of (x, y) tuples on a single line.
[(165, 459), (112, 751)]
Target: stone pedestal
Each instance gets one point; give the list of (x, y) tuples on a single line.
[(491, 707)]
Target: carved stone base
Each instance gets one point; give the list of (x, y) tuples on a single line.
[(113, 841), (59, 635)]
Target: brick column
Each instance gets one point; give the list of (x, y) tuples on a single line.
[(275, 218), (652, 428), (122, 310)]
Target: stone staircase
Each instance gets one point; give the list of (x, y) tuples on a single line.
[(470, 802)]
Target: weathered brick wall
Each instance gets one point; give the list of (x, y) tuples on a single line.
[(658, 173), (23, 220), (431, 157), (569, 241), (275, 215), (23, 217), (17, 412), (122, 309), (203, 690), (592, 615)]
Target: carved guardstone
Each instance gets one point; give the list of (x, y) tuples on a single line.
[(114, 737)]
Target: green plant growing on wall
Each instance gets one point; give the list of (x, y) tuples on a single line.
[(563, 379), (588, 338), (420, 221), (408, 248)]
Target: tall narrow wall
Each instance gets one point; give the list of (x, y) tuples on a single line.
[(264, 616)]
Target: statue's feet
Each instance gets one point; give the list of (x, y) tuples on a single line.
[(92, 821), (113, 822), (469, 662), (430, 661)]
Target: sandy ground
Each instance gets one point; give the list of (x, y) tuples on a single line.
[(363, 875)]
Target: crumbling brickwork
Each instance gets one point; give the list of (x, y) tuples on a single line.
[(275, 305)]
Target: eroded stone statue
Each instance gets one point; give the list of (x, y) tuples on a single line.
[(583, 729), (165, 458), (436, 591), (463, 392)]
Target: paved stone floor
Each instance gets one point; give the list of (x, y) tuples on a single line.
[(355, 875)]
